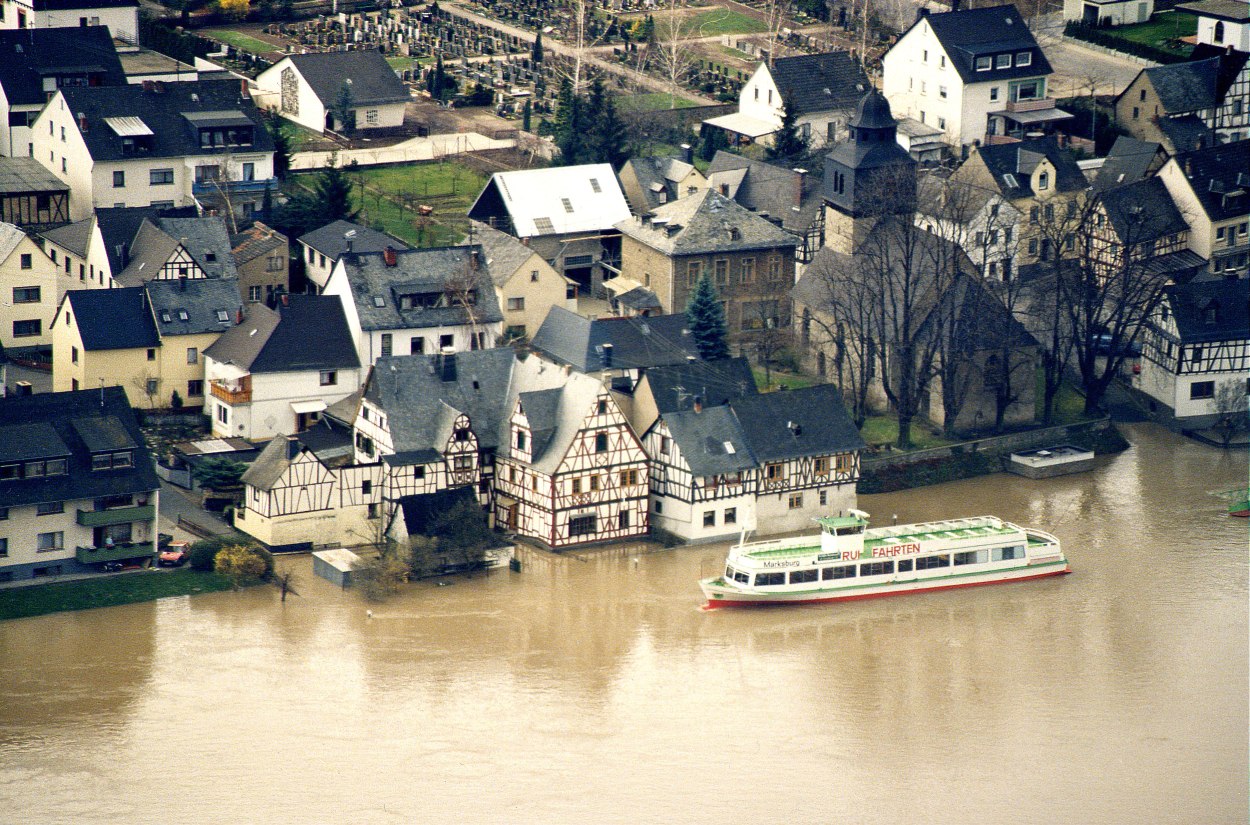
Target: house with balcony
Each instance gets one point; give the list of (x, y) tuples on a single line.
[(37, 61), (978, 75), (1196, 352), (1211, 188), (418, 301), (322, 248), (157, 144), (749, 259), (30, 288), (766, 463), (314, 89), (77, 484), (190, 316), (262, 258), (119, 17), (277, 371), (567, 214)]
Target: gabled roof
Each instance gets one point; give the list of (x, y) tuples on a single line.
[(10, 237), (204, 239), (674, 388), (332, 239), (254, 242), (636, 343), (76, 237), (378, 289), (119, 225), (504, 253), (61, 423), (373, 81), (1185, 87), (1186, 133), (27, 56), (556, 415), (113, 318), (970, 33), (71, 5), (1220, 178), (553, 201), (1129, 161), (712, 441), (306, 332), (168, 110), (272, 463), (706, 222), (819, 82), (21, 175), (1012, 166), (1142, 211), (656, 175), (768, 189), (194, 305), (1191, 303)]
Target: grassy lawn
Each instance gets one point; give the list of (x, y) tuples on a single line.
[(1164, 27), (723, 21), (652, 101), (781, 380), (400, 62), (1069, 404), (106, 591), (883, 429), (447, 186), (242, 41)]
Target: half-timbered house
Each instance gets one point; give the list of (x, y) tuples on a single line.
[(172, 248), (1140, 226), (1196, 342), (760, 463), (572, 471)]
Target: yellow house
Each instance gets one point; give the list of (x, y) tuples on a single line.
[(28, 290), (528, 286), (147, 339)]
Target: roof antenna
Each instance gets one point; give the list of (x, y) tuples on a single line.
[(101, 393)]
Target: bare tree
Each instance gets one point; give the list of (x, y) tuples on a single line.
[(839, 316), (673, 55), (777, 15), (1230, 407)]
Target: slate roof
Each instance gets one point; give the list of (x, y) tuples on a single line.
[(254, 242), (637, 343), (163, 109), (768, 189), (1190, 302), (22, 174), (330, 239), (1185, 87), (417, 271), (715, 382), (1142, 211), (1019, 160), (113, 318), (193, 306), (271, 464), (706, 222), (28, 55), (205, 240), (764, 427), (656, 175), (119, 225), (1220, 178), (819, 82), (374, 82), (1128, 161), (1186, 133), (969, 33), (1235, 11), (54, 424), (70, 5), (10, 237), (556, 200), (873, 113), (76, 237), (504, 253), (308, 332)]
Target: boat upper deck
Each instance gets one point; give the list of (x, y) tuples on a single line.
[(957, 530)]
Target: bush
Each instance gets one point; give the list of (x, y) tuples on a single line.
[(381, 576), (203, 554), (244, 562)]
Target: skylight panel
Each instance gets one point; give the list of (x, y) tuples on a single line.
[(182, 315), (729, 448), (379, 301), (165, 318), (1010, 180), (594, 185), (223, 316), (544, 225), (568, 205)]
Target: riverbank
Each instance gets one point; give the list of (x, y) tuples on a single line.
[(106, 591)]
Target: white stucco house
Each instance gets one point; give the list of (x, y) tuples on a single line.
[(120, 16), (1222, 22), (30, 290), (308, 88), (978, 75), (1107, 12)]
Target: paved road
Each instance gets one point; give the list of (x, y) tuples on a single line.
[(1077, 65)]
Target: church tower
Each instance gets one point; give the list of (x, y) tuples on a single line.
[(867, 176)]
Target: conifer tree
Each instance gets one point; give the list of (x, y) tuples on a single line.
[(706, 319), (569, 126), (537, 54), (789, 141)]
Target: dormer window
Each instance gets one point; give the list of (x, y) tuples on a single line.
[(522, 440), (984, 64), (1002, 61), (1024, 59), (1211, 314), (1043, 181), (112, 461)]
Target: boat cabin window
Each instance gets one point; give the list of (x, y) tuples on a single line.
[(904, 565), (803, 576), (876, 568), (1007, 553), (736, 576), (843, 571), (972, 557), (853, 530), (765, 579), (930, 562)]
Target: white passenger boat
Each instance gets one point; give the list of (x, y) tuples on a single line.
[(848, 560)]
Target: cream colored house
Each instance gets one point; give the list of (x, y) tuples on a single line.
[(527, 286), (77, 250), (29, 290)]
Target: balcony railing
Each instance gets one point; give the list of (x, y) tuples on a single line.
[(1016, 106), (119, 552), (118, 515), (211, 186), (231, 395)]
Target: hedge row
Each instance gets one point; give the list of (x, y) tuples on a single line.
[(1107, 39)]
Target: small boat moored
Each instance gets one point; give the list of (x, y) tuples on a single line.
[(848, 560)]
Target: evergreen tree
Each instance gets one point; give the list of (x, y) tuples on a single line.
[(537, 54), (526, 115), (706, 319), (334, 195), (606, 140), (711, 140), (281, 145), (569, 125), (789, 141)]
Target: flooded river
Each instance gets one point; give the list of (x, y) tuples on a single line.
[(593, 689)]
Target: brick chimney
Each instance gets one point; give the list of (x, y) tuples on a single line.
[(389, 256)]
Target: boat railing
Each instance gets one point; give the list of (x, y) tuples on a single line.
[(1041, 535)]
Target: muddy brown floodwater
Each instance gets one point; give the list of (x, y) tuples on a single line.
[(592, 688)]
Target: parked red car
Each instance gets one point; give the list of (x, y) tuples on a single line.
[(174, 554)]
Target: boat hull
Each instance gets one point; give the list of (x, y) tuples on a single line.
[(719, 595)]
